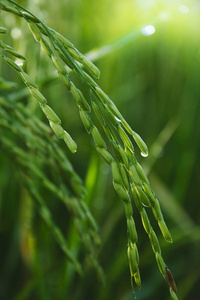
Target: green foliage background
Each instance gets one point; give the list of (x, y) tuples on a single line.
[(154, 81)]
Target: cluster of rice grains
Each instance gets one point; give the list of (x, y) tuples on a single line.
[(34, 152), (129, 179)]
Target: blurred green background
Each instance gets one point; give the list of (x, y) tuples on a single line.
[(152, 75)]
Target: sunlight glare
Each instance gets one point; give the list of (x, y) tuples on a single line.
[(148, 30), (16, 33), (183, 9)]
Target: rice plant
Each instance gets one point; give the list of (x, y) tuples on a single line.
[(28, 142)]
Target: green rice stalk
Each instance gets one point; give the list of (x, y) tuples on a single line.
[(64, 55), (152, 236), (35, 31), (79, 209), (18, 129), (11, 51), (46, 47), (173, 294), (105, 155), (46, 215), (10, 9), (50, 114), (143, 198), (11, 63), (133, 256), (3, 30)]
